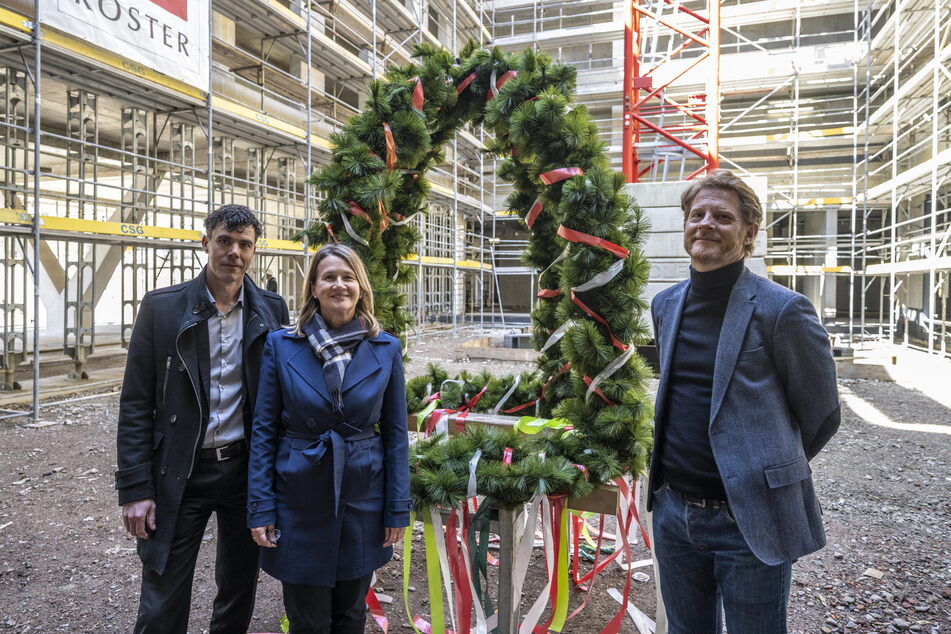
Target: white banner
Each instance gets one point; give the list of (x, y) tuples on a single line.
[(168, 36)]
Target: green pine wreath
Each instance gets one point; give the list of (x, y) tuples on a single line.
[(375, 185)]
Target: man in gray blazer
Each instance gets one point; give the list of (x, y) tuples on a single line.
[(747, 397)]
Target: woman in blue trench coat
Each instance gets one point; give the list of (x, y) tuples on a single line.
[(328, 483)]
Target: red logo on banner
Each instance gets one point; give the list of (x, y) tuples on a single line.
[(176, 7)]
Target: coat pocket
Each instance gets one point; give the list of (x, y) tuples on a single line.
[(789, 473)]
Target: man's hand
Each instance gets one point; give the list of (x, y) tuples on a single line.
[(137, 515), (392, 535), (260, 536)]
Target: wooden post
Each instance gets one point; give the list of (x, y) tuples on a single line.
[(508, 603)]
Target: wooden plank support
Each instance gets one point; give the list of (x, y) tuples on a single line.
[(508, 602)]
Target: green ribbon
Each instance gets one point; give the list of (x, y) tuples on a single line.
[(560, 609), (423, 414), (407, 558), (532, 425), (434, 577), (480, 557)]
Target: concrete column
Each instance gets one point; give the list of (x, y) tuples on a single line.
[(820, 289)]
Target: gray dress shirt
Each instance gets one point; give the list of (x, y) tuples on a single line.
[(225, 339)]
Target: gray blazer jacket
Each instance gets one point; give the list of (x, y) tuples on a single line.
[(774, 406)]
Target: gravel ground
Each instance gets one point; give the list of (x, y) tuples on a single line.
[(66, 564)]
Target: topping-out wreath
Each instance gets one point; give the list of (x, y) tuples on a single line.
[(585, 242)]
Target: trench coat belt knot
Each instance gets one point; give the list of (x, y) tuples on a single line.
[(315, 452)]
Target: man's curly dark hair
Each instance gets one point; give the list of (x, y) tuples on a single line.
[(234, 218)]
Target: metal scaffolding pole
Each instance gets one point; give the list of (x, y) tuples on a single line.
[(37, 138)]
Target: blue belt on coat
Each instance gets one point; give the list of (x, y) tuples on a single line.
[(316, 451)]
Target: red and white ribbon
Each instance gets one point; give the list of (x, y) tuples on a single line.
[(472, 487), (534, 613), (511, 390), (465, 82), (556, 336), (608, 370), (496, 85), (418, 98), (534, 211), (577, 236), (560, 174), (390, 146), (350, 231)]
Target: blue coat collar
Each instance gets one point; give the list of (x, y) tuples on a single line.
[(364, 364)]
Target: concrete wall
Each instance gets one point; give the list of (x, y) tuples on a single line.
[(664, 247)]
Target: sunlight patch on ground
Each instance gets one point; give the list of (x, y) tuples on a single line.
[(874, 416)]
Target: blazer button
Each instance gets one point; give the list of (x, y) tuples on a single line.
[(173, 418), (311, 423), (181, 367), (164, 470), (254, 506)]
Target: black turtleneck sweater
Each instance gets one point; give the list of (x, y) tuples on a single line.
[(686, 457)]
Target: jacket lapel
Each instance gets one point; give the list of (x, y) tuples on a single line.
[(672, 312), (192, 340), (732, 333), (304, 362), (363, 364)]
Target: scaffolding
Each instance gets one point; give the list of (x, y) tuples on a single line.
[(841, 104), (117, 165)]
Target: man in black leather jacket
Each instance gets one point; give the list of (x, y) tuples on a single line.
[(184, 419)]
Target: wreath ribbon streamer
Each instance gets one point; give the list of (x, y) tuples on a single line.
[(608, 370), (560, 174), (465, 82), (576, 236), (502, 401), (353, 234), (418, 98), (390, 146), (533, 212)]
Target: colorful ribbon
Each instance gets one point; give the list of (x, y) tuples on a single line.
[(531, 425), (533, 212), (617, 343), (610, 369), (587, 381), (418, 99), (465, 82), (496, 85), (508, 394), (560, 174), (390, 146), (350, 231), (357, 210), (407, 558), (433, 576), (576, 236), (376, 610)]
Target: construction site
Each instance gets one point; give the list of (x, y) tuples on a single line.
[(124, 124), (838, 110)]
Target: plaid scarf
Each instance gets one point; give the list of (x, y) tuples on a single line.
[(334, 348)]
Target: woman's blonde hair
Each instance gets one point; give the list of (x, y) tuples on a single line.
[(309, 304)]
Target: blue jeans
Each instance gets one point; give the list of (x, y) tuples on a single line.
[(704, 564)]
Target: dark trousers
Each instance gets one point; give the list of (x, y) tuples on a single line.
[(706, 569), (165, 599), (323, 610)]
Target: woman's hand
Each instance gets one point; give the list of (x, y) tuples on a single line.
[(392, 535), (260, 536)]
